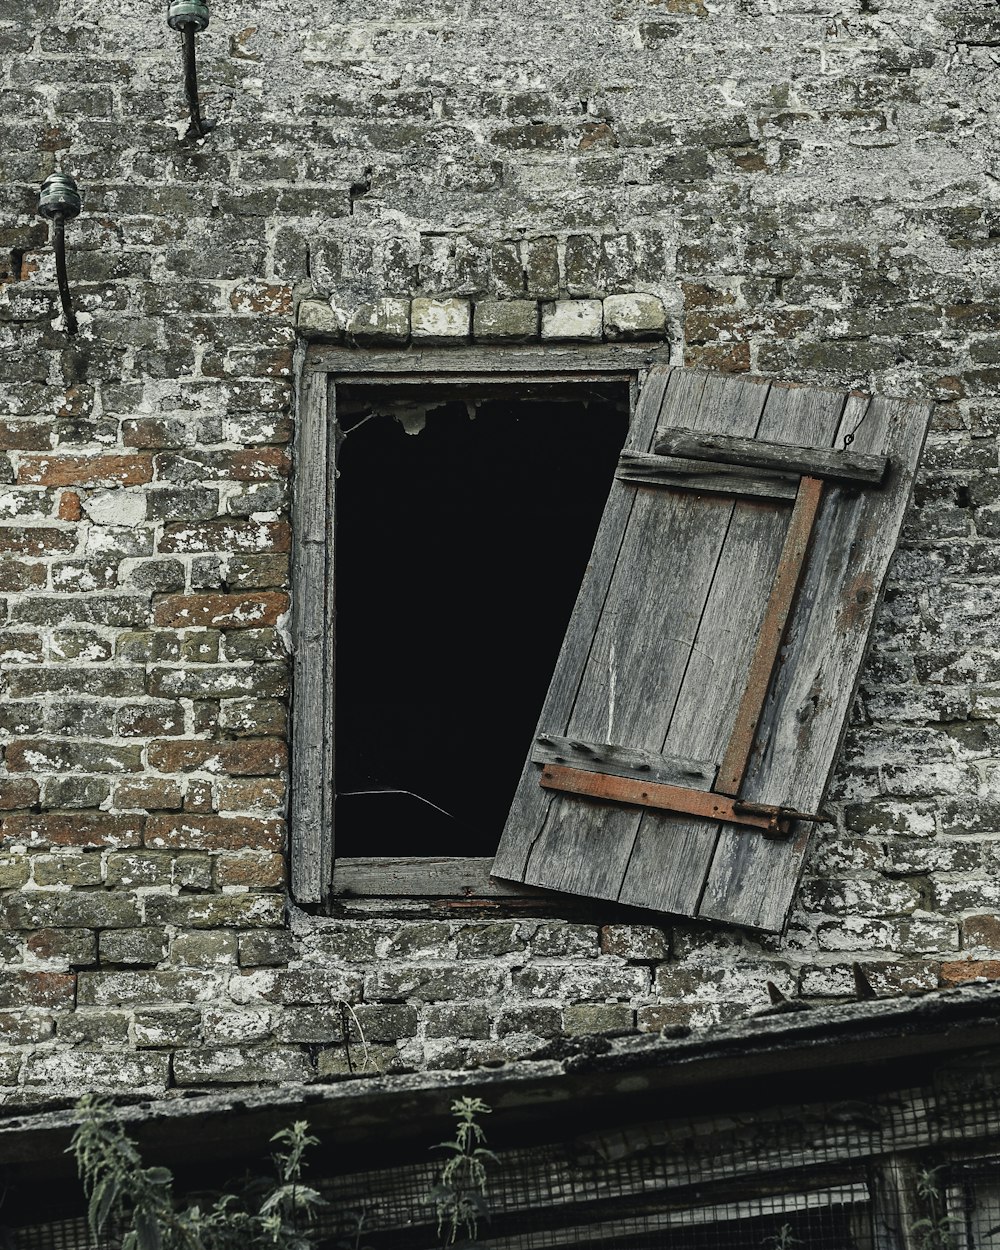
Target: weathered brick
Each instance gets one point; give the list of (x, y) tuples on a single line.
[(41, 909), (242, 611), (66, 870), (37, 989), (63, 946), (166, 1026), (265, 948), (82, 829), (248, 537), (137, 988), (103, 470), (38, 755), (133, 946), (241, 759), (89, 1070), (255, 870), (217, 911), (238, 1065)]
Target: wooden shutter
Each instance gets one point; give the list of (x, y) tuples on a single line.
[(708, 671)]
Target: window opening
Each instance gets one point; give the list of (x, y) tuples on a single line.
[(464, 522)]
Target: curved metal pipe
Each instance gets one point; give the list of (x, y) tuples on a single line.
[(198, 128), (59, 245)]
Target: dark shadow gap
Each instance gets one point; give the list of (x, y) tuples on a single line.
[(463, 531)]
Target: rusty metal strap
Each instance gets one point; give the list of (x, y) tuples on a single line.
[(774, 821)]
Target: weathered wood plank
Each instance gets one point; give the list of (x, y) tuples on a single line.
[(791, 566), (701, 475), (311, 771), (621, 761), (636, 655), (842, 466), (420, 876), (793, 415), (752, 881), (528, 810), (646, 793), (429, 363), (720, 658)]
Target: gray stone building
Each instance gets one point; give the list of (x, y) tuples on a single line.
[(490, 214)]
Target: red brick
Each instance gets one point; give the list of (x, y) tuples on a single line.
[(151, 793), (254, 537), (961, 970), (242, 611), (248, 758), (266, 872), (148, 432), (70, 508), (729, 357), (25, 435), (20, 574), (106, 470), (981, 931), (194, 832), (73, 828), (36, 540), (17, 792), (262, 297), (257, 793), (37, 989)]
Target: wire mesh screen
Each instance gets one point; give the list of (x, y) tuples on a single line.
[(915, 1169)]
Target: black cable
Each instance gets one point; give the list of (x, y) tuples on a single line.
[(197, 128), (59, 244)]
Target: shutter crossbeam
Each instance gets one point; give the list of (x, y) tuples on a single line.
[(774, 821)]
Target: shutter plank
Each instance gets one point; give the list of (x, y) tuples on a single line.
[(700, 475), (654, 605), (528, 810), (752, 882), (721, 657)]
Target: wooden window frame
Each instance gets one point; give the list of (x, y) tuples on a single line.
[(316, 876)]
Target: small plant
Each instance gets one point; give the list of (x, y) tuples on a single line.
[(783, 1239), (933, 1231), (138, 1204), (460, 1194)]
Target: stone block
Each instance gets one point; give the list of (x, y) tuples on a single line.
[(203, 949), (506, 321), (457, 1020), (133, 946), (444, 321), (573, 320), (315, 316), (240, 1065), (384, 322), (634, 941), (167, 1026), (598, 1018), (634, 317)]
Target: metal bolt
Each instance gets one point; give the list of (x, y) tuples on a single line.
[(183, 13)]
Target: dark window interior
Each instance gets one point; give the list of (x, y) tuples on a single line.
[(463, 529)]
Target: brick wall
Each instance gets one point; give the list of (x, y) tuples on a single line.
[(809, 193)]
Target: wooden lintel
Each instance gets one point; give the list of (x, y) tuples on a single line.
[(779, 606), (654, 794), (838, 466), (679, 473)]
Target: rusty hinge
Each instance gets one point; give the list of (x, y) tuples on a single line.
[(774, 822), (779, 819)]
